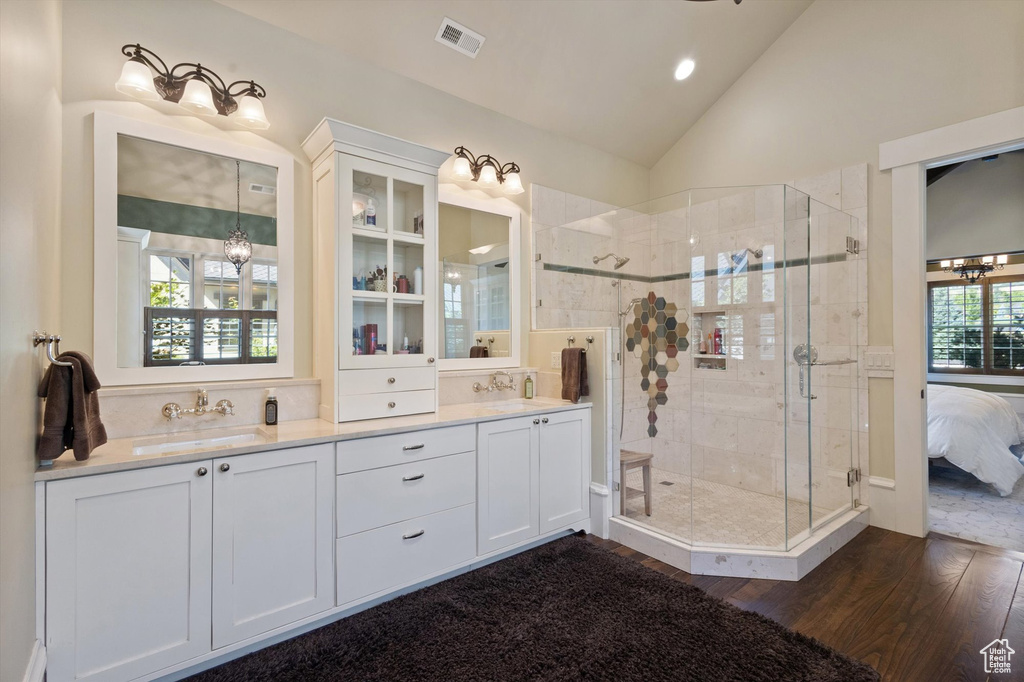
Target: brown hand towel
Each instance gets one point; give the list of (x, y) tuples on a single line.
[(71, 418), (574, 374), (478, 352)]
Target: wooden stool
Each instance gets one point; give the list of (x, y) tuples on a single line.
[(628, 459)]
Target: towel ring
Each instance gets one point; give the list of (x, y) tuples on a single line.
[(51, 341)]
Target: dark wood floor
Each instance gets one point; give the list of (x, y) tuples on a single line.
[(916, 609)]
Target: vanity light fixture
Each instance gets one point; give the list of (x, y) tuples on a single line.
[(487, 171), (973, 269), (237, 246), (193, 86)]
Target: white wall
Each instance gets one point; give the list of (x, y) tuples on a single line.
[(30, 136), (846, 76), (304, 82), (977, 209)]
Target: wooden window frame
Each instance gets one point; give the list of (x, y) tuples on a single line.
[(987, 350)]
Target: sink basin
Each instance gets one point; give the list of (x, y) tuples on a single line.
[(513, 405), (198, 440)]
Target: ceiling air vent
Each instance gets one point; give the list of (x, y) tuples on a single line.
[(262, 189), (459, 38)]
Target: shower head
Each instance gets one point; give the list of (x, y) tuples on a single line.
[(619, 260), (740, 256), (629, 307)]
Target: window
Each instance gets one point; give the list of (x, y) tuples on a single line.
[(232, 321), (976, 328)]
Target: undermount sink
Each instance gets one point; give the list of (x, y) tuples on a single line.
[(512, 405), (198, 440)]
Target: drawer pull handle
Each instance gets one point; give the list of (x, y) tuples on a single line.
[(413, 447), (410, 536), (391, 380), (391, 404), (413, 478)]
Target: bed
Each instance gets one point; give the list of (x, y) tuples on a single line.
[(974, 431)]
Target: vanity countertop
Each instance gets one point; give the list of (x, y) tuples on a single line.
[(117, 455)]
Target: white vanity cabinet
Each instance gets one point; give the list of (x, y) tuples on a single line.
[(273, 523), (149, 568), (128, 559), (375, 209), (533, 477)]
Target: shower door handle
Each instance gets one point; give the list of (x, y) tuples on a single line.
[(802, 395), (847, 361)]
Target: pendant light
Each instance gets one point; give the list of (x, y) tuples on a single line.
[(237, 247)]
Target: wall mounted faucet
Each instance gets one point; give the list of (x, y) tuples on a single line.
[(497, 384), (174, 410)]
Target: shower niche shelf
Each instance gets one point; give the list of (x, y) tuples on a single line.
[(705, 323)]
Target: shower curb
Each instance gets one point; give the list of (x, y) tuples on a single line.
[(791, 565)]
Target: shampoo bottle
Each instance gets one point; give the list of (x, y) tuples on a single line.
[(528, 387)]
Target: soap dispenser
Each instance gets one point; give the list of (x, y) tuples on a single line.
[(270, 409)]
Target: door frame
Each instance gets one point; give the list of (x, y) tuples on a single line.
[(908, 159)]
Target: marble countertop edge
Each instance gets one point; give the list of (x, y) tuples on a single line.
[(116, 455)]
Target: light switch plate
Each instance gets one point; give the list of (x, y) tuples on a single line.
[(879, 361), (556, 360)]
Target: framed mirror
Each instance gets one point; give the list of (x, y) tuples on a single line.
[(479, 294), (175, 300)]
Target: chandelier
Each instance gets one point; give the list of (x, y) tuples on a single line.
[(486, 171), (973, 269), (193, 86), (237, 246)]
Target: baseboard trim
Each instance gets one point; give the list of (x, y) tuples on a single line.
[(600, 510), (882, 501), (36, 670)]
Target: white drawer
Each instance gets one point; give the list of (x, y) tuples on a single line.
[(360, 381), (405, 552), (377, 405), (378, 497), (402, 448)]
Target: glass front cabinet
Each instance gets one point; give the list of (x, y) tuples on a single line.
[(375, 209)]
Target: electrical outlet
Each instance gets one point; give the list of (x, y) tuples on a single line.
[(556, 360)]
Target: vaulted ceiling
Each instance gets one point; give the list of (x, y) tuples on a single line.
[(600, 72)]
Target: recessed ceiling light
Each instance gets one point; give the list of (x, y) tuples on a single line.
[(684, 69)]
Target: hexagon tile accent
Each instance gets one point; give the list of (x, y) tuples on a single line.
[(656, 336)]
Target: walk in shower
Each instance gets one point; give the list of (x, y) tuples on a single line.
[(741, 315)]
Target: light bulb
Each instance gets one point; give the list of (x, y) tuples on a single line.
[(488, 176), (136, 81), (684, 69), (512, 184), (461, 169), (988, 259), (198, 98), (1001, 260), (958, 262), (944, 264), (250, 113)]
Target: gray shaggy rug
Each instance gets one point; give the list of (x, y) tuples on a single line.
[(564, 611)]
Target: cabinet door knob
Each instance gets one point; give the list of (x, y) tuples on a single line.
[(430, 360), (545, 420), (536, 421), (391, 380), (410, 536), (391, 404), (225, 466), (201, 471)]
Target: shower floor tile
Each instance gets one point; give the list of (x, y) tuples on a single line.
[(721, 514)]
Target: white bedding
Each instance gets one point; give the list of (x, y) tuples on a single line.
[(974, 430)]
